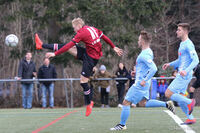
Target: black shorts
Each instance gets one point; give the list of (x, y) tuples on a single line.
[(88, 62), (196, 84)]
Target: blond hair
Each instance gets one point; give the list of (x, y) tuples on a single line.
[(77, 21)]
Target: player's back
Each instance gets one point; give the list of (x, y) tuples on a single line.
[(91, 37), (146, 56)]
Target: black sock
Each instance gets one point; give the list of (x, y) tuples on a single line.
[(91, 93), (191, 95), (86, 90), (166, 105), (54, 47), (60, 45), (48, 46)]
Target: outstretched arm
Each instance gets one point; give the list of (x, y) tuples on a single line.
[(65, 48), (107, 40), (174, 64), (62, 50), (77, 38), (116, 49)]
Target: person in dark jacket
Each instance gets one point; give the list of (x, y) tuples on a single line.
[(27, 71), (196, 84), (47, 71), (131, 76), (121, 73)]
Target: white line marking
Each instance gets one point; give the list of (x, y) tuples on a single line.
[(186, 128)]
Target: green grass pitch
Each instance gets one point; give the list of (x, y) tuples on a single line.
[(141, 120)]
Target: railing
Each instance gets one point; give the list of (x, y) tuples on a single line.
[(71, 84)]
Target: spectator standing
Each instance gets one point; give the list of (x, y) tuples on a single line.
[(162, 87), (27, 71), (132, 76), (47, 71), (174, 73), (121, 73), (104, 85)]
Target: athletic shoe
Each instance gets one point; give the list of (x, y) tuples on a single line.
[(170, 106), (38, 42), (188, 121), (89, 108), (191, 106), (118, 127)]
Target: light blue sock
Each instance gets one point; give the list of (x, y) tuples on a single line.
[(155, 103), (186, 111), (180, 99), (125, 114)]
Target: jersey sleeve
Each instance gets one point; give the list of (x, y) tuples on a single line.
[(152, 69), (77, 38), (193, 55), (175, 63), (65, 48), (108, 41), (105, 38), (100, 33)]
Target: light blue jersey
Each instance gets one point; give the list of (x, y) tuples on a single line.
[(187, 57), (187, 60), (145, 67), (145, 70)]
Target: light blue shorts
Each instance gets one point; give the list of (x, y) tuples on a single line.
[(136, 92), (180, 83)]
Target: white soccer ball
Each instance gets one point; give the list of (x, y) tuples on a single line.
[(11, 40)]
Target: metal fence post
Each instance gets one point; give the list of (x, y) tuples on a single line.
[(72, 102), (66, 94), (150, 90)]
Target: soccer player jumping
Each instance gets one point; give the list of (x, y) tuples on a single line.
[(139, 92), (90, 55), (186, 62)]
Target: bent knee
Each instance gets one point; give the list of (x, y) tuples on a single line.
[(126, 103), (142, 103), (168, 93), (84, 79)]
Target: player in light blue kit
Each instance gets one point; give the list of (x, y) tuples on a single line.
[(186, 62), (139, 92)]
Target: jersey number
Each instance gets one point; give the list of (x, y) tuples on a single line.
[(94, 35)]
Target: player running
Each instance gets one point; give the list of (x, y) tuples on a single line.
[(186, 62), (139, 92), (90, 55)]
